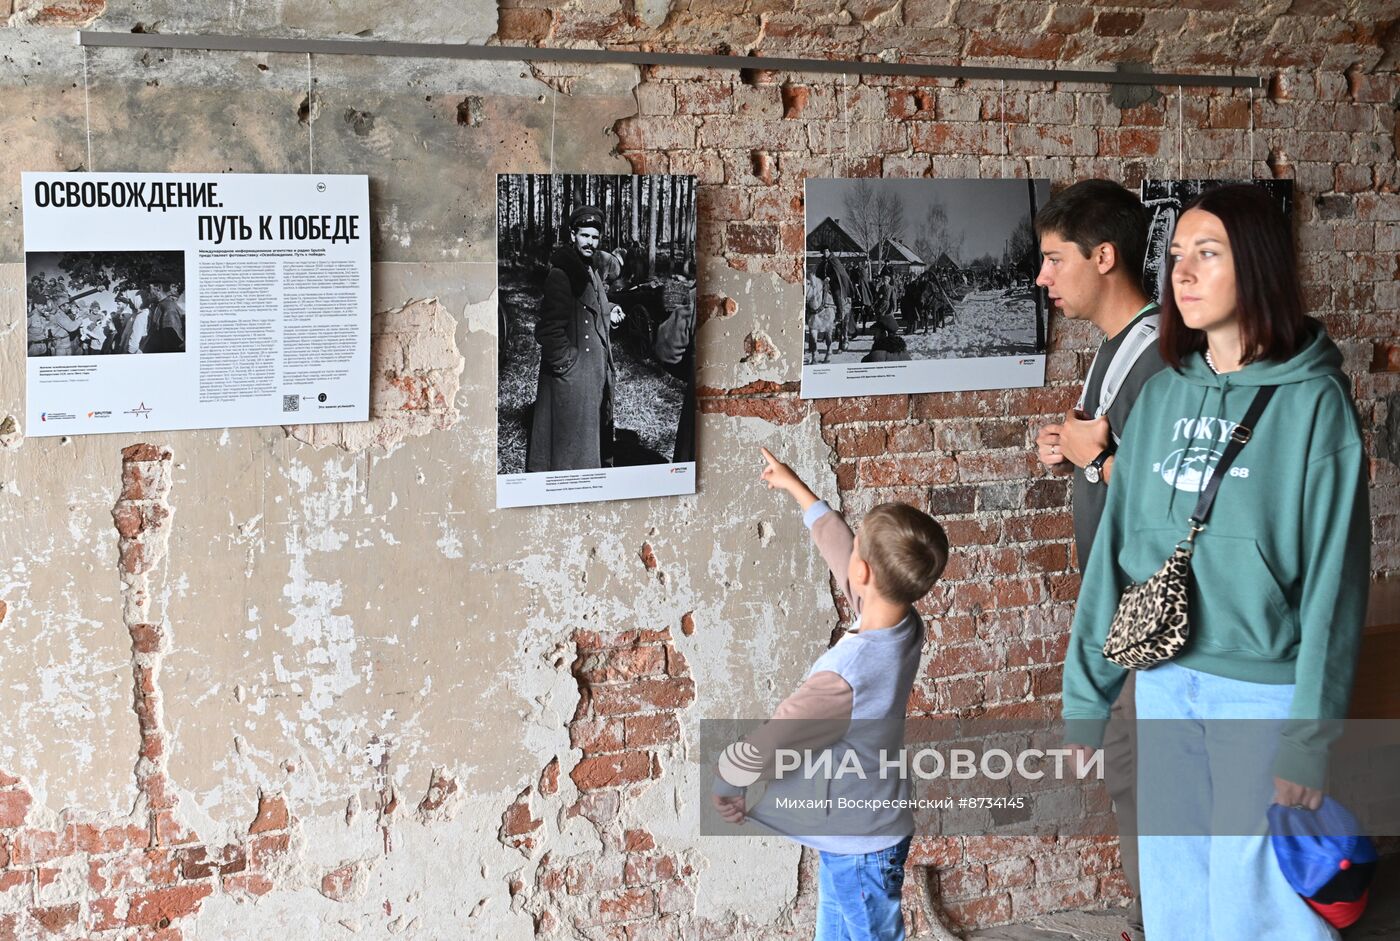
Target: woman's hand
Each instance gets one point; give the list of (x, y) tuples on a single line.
[(1290, 794), (730, 808)]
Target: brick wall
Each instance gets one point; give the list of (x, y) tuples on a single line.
[(1004, 608), (1327, 120)]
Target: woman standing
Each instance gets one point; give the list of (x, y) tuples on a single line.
[(1279, 576), (572, 426)]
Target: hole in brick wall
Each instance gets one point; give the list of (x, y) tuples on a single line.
[(762, 163), (794, 99), (469, 111)]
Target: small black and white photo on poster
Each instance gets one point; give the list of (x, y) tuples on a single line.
[(596, 349), (935, 273), (1165, 200), (105, 303)]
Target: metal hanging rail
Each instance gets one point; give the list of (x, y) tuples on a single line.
[(482, 53)]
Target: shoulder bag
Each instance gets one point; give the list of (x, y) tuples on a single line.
[(1152, 622)]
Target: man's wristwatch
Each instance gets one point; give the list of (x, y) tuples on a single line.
[(1093, 471)]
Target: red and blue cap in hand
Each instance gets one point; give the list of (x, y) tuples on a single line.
[(1325, 858)]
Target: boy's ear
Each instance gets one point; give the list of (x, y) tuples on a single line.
[(862, 571)]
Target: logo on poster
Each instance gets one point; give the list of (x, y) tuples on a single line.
[(141, 410)]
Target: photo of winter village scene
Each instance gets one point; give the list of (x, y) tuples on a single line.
[(908, 271)]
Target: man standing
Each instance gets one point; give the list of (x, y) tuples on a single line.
[(572, 425), (167, 327), (135, 328), (1093, 237)]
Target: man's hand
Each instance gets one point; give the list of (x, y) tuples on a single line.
[(1047, 447), (1082, 440), (778, 476), (616, 316), (1290, 794), (730, 808)]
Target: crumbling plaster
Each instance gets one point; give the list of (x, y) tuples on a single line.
[(344, 622)]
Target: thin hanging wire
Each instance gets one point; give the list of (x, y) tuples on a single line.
[(1180, 142), (553, 114), (1249, 174), (846, 119), (1001, 112), (87, 109), (310, 120)]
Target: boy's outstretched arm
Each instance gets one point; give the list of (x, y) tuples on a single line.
[(833, 537)]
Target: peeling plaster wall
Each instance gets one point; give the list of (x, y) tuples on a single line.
[(384, 709)]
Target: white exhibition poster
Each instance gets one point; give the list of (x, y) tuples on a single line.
[(920, 285), (160, 301)]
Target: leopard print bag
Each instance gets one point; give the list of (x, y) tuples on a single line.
[(1151, 624)]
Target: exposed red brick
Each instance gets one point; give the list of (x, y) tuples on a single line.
[(161, 907), (272, 814), (759, 238), (14, 807), (1117, 23), (338, 884), (638, 841), (648, 730), (611, 770), (200, 862), (520, 24), (643, 696), (549, 778)]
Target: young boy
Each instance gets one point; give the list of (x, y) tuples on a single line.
[(852, 703)]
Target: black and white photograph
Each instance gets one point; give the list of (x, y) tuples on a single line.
[(919, 285), (596, 350), (1165, 199), (105, 303)]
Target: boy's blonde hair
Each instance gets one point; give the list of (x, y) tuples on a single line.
[(906, 550)]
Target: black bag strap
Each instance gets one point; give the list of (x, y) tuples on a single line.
[(1238, 439)]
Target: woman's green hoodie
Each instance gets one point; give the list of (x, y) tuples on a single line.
[(1281, 573)]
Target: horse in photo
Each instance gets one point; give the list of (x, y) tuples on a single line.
[(821, 316)]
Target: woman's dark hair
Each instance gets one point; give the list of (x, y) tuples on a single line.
[(1092, 212), (1268, 294)]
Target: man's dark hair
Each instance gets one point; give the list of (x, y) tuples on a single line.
[(1268, 291), (1092, 212)]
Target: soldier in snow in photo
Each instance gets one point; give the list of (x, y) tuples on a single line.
[(572, 426)]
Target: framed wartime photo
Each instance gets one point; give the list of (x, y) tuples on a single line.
[(596, 348), (917, 285)]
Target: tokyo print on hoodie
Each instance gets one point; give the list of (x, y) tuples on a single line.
[(1281, 573)]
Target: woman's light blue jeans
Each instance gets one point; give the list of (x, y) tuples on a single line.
[(1204, 789), (858, 895)]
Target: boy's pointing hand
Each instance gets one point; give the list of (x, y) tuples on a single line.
[(777, 475)]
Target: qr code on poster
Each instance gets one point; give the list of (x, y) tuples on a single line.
[(291, 403)]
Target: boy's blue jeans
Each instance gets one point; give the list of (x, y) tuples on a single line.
[(1203, 778), (858, 895)]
